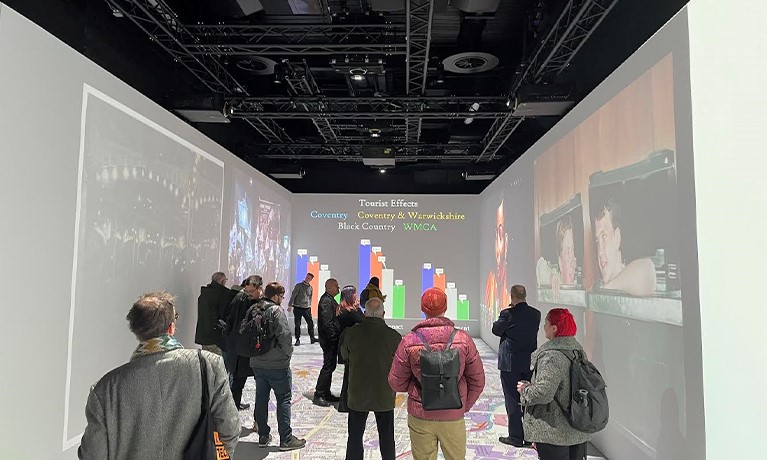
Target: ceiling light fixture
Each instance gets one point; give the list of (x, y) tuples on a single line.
[(474, 107), (383, 171), (358, 74)]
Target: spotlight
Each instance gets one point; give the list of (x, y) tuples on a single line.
[(382, 171), (440, 73), (375, 132), (474, 107), (358, 74)]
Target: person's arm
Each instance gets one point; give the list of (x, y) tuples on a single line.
[(293, 295), (345, 348), (545, 384), (400, 373), (637, 279), (283, 331), (222, 408), (94, 441), (502, 323), (474, 373)]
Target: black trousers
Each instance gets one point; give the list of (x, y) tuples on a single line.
[(305, 313), (238, 376), (511, 396), (329, 362), (552, 452), (357, 422)]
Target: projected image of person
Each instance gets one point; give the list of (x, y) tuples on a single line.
[(636, 277), (496, 293)]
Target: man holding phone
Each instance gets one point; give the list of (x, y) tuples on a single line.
[(517, 326)]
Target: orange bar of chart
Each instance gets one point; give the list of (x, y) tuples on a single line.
[(439, 278), (376, 267), (313, 267)]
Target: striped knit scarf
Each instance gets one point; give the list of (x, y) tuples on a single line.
[(156, 345)]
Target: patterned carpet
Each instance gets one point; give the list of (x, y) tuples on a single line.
[(325, 428)]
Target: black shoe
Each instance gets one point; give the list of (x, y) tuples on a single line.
[(320, 401), (298, 342), (332, 398), (243, 406), (313, 340), (264, 441), (514, 442), (294, 443)]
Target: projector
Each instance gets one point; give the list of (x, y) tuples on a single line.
[(378, 156), (543, 100)]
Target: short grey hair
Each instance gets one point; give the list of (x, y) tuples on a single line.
[(218, 277), (374, 308)]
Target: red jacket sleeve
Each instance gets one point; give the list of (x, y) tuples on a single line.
[(401, 372), (474, 373)]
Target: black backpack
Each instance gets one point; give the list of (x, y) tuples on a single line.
[(439, 376), (589, 411), (255, 334)]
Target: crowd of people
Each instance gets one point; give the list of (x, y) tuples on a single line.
[(149, 407)]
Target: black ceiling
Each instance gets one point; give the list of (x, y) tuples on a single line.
[(346, 86)]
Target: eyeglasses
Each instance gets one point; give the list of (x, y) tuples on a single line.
[(176, 316)]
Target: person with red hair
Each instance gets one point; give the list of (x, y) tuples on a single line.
[(546, 424)]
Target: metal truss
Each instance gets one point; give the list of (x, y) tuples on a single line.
[(351, 152), (325, 104), (298, 34), (163, 27), (307, 49), (301, 83), (419, 21), (415, 115), (419, 15), (574, 26)]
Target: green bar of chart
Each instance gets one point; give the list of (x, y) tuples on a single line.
[(398, 303), (463, 308)]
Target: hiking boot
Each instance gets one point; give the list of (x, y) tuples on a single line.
[(264, 441), (293, 444)]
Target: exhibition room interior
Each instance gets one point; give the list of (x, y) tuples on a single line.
[(605, 154)]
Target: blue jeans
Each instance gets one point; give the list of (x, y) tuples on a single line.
[(281, 381)]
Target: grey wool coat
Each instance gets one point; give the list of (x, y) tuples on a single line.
[(544, 420), (148, 407)]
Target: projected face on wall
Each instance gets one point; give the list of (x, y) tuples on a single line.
[(566, 250), (608, 240)]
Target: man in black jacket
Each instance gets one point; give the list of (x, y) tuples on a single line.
[(211, 305), (517, 326), (239, 366), (329, 330)]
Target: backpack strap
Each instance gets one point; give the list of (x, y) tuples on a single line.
[(450, 340), (423, 340)]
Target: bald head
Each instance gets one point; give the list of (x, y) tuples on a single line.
[(331, 287)]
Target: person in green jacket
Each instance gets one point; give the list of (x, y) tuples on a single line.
[(369, 351)]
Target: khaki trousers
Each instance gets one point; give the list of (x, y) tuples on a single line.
[(427, 435)]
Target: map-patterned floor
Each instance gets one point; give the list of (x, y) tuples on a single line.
[(325, 428)]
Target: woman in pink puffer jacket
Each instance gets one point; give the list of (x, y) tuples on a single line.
[(433, 428)]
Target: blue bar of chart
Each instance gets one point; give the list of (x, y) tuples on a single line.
[(427, 280), (364, 265), (302, 261)]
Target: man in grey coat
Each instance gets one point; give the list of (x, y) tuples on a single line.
[(272, 371), (149, 407), (301, 304)]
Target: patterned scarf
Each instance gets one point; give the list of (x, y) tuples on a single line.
[(156, 345)]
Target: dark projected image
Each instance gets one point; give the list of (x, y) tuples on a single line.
[(559, 270), (150, 218), (636, 250), (259, 241)]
